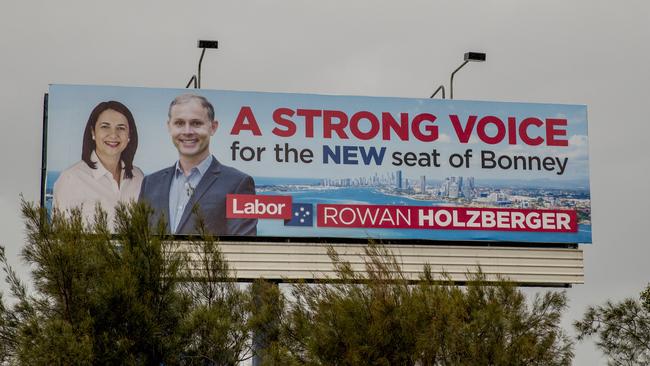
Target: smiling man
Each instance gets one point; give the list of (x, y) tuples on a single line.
[(197, 179)]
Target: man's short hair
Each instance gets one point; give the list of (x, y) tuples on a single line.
[(184, 98)]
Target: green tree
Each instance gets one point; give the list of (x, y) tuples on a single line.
[(267, 318), (622, 329), (138, 297), (134, 297), (97, 298), (379, 317), (217, 324)]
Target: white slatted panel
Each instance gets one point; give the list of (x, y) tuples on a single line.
[(294, 261)]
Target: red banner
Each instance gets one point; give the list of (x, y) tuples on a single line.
[(445, 218), (244, 206)]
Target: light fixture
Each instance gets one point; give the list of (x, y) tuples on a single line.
[(469, 57), (203, 44)]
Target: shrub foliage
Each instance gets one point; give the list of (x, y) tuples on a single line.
[(137, 297)]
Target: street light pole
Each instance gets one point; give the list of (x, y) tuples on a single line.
[(469, 56), (203, 44), (451, 80)]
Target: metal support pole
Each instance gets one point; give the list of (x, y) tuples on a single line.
[(267, 304), (199, 77), (192, 79), (451, 81), (44, 153), (441, 87), (203, 45)]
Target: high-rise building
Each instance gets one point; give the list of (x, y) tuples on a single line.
[(423, 184), (467, 192), (398, 179), (468, 187), (454, 190)]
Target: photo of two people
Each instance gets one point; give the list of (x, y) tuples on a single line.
[(195, 186)]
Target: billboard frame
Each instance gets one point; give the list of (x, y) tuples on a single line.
[(314, 239)]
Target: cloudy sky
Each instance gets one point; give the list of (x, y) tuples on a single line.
[(591, 52)]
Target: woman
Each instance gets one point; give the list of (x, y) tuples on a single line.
[(105, 175)]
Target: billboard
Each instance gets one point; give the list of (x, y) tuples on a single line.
[(304, 165)]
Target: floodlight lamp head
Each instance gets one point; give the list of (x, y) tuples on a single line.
[(474, 56), (202, 43)]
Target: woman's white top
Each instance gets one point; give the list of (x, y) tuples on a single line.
[(82, 186)]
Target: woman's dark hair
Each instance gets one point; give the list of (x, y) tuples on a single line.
[(89, 144)]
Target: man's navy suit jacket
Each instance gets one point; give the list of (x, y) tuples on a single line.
[(209, 196)]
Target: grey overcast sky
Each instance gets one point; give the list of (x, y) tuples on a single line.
[(593, 52)]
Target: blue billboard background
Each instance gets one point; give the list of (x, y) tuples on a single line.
[(357, 165)]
